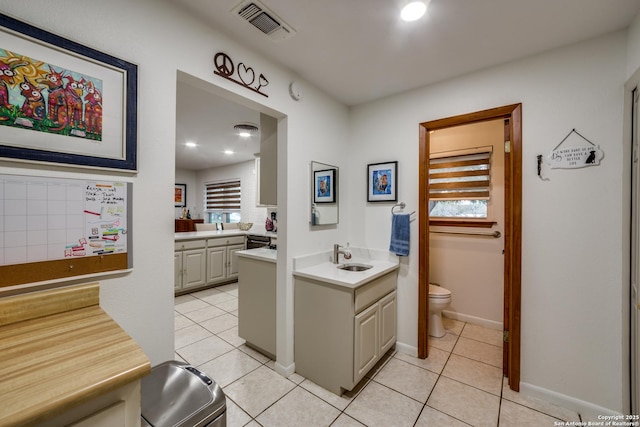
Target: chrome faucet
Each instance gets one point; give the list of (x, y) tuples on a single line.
[(337, 251)]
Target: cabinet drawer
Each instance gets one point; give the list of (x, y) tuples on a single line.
[(224, 241), (190, 244), (373, 291)]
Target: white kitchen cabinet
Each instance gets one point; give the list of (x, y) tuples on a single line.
[(232, 258), (340, 333), (267, 163), (222, 261), (190, 264), (216, 264)]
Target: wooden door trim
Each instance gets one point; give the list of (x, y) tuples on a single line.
[(513, 229)]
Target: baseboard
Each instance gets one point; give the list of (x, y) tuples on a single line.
[(587, 410), (491, 324), (407, 349), (285, 371)]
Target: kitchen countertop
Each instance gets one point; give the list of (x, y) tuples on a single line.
[(319, 267), (192, 235), (59, 349), (262, 254)]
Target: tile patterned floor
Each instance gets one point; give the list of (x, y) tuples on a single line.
[(460, 384)]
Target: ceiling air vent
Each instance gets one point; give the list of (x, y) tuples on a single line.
[(264, 20)]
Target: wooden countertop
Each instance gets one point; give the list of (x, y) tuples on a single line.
[(59, 349)]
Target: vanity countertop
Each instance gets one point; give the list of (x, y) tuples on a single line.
[(320, 267), (261, 254), (60, 349)]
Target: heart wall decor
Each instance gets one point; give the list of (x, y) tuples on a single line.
[(242, 74)]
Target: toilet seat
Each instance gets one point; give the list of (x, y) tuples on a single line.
[(438, 292)]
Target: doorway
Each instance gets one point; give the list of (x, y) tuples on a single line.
[(512, 116)]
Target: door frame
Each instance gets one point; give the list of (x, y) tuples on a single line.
[(512, 231)]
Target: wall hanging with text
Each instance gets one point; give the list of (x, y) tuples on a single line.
[(53, 228)]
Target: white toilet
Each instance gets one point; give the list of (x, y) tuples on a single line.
[(439, 299)]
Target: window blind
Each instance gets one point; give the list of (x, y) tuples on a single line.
[(222, 196), (461, 177)]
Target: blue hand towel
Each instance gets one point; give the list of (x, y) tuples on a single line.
[(400, 230)]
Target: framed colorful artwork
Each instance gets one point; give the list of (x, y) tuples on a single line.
[(382, 182), (324, 183), (65, 103), (180, 196)]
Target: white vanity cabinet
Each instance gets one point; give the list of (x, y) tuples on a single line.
[(341, 332), (375, 333), (222, 262), (190, 264)]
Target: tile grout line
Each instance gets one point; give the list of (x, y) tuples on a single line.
[(369, 380)]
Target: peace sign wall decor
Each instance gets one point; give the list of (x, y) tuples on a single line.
[(242, 75)]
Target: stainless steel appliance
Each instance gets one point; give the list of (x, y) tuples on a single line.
[(257, 241), (177, 394)]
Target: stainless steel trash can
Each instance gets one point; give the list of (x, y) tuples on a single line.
[(176, 394)]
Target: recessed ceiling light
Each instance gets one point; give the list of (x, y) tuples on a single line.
[(413, 11), (228, 152), (190, 144)]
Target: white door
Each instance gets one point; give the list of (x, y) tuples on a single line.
[(177, 270), (367, 341), (216, 264), (388, 327), (635, 267), (232, 260), (194, 265)]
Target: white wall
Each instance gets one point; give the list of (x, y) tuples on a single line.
[(161, 39), (194, 205), (572, 242), (572, 275), (246, 173), (633, 46)]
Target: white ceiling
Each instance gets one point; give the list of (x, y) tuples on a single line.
[(208, 120), (359, 50)]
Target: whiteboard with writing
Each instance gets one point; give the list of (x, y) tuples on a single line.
[(47, 219)]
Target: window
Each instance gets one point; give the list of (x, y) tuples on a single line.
[(460, 184), (222, 201)]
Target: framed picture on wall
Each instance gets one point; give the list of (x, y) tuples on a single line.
[(324, 183), (382, 182), (65, 103), (180, 196)]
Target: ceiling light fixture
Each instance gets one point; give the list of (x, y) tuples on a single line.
[(245, 130), (413, 11), (190, 144), (228, 152)]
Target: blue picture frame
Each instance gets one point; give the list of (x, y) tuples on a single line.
[(123, 142)]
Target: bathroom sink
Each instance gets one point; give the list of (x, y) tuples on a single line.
[(354, 267)]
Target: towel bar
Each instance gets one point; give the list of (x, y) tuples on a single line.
[(400, 205), (496, 234)]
